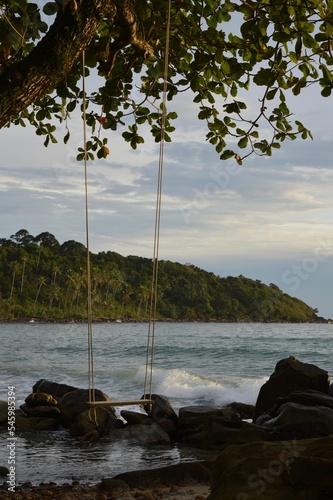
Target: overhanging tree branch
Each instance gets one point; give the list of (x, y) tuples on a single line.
[(52, 58)]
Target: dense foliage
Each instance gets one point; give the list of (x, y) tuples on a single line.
[(43, 279), (218, 51)]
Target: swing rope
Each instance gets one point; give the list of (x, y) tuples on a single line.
[(91, 377), (154, 284), (148, 381)]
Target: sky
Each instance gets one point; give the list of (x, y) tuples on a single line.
[(270, 219)]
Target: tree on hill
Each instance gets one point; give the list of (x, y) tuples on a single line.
[(218, 50)]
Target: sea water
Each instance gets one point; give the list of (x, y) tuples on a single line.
[(194, 364)]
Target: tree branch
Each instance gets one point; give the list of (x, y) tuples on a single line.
[(52, 58)]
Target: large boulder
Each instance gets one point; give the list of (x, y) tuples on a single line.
[(144, 434), (30, 424), (56, 390), (134, 417), (41, 411), (162, 413), (194, 416), (75, 402), (290, 375), (246, 411), (300, 415), (274, 470), (41, 399), (295, 421), (215, 435), (100, 419)]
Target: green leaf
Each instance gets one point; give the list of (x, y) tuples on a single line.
[(265, 77), (50, 8), (326, 92), (242, 143), (228, 153), (67, 136)]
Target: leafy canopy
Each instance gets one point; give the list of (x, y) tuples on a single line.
[(218, 50)]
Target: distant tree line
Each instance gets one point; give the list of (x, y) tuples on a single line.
[(43, 279)]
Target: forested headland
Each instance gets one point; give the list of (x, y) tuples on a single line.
[(44, 280)]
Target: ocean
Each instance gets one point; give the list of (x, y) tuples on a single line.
[(194, 364)]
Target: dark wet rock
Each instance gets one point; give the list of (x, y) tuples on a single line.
[(300, 422), (133, 417), (330, 390), (162, 413), (3, 471), (214, 434), (308, 471), (114, 485), (41, 411), (143, 434), (53, 388), (75, 402), (3, 412), (290, 375), (40, 399), (304, 398), (194, 416), (301, 415), (264, 471), (27, 424), (92, 437), (246, 411), (100, 419), (180, 475)]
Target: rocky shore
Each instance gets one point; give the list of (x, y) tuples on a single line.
[(281, 448)]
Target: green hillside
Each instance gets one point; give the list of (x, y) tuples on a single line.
[(43, 279)]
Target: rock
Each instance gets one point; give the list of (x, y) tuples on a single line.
[(27, 424), (300, 415), (290, 375), (133, 417), (310, 471), (3, 471), (92, 437), (75, 402), (41, 411), (294, 421), (162, 413), (245, 411), (40, 399), (143, 434), (180, 474), (213, 434), (305, 398), (3, 412), (194, 416), (53, 388), (100, 419), (111, 484), (259, 471)]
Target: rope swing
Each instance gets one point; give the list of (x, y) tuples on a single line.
[(148, 380)]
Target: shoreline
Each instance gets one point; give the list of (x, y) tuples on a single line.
[(129, 321), (111, 489)]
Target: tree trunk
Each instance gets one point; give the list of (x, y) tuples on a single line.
[(53, 57)]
